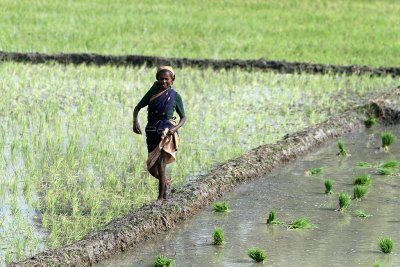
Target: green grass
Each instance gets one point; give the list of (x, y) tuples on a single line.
[(362, 214), (257, 254), (360, 191), (386, 245), (218, 236), (384, 171), (342, 148), (301, 223), (220, 206), (344, 202), (363, 179), (371, 121), (389, 164), (68, 150), (361, 33), (328, 186), (163, 261), (388, 139), (272, 218), (315, 171)]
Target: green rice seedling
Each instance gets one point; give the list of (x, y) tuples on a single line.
[(362, 214), (363, 164), (389, 164), (363, 179), (272, 218), (257, 254), (301, 223), (344, 201), (360, 191), (314, 171), (163, 261), (386, 245), (221, 206), (371, 121), (328, 186), (342, 149), (384, 171), (218, 236), (377, 264), (388, 139)]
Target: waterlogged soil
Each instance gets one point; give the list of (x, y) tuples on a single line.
[(340, 239)]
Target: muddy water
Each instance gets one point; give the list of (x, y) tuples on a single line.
[(341, 239)]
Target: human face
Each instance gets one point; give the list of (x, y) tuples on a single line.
[(165, 80)]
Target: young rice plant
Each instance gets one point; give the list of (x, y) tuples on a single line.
[(388, 139), (221, 206), (218, 236), (257, 254), (301, 223), (328, 186), (163, 261), (344, 202), (386, 245)]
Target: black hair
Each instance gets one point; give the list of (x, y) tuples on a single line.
[(165, 71)]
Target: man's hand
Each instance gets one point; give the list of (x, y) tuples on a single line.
[(136, 127)]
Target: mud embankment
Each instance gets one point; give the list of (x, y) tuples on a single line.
[(150, 220), (137, 60)]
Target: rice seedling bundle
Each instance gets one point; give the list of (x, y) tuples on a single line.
[(363, 179), (163, 261), (390, 164), (328, 186), (371, 121), (388, 139), (218, 236), (272, 218), (315, 171), (301, 223), (362, 214), (221, 206), (363, 164), (360, 191), (344, 201), (386, 245), (256, 254), (384, 171), (342, 148)]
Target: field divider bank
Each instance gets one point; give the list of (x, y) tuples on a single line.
[(138, 60), (151, 220)]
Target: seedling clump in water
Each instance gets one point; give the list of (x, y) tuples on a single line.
[(360, 191), (162, 261), (342, 149), (315, 171), (363, 179), (328, 186), (384, 171), (362, 214), (388, 139), (272, 218), (390, 164), (221, 206), (301, 223), (386, 245), (257, 254), (218, 236), (344, 201), (371, 121)]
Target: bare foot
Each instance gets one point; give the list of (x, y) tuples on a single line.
[(158, 202), (168, 181)]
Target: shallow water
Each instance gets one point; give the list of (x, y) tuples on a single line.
[(341, 239)]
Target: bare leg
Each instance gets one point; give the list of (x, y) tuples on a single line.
[(162, 163), (154, 170)]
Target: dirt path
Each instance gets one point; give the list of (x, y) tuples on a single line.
[(150, 220), (136, 60)]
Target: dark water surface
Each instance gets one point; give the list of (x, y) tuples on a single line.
[(341, 239)]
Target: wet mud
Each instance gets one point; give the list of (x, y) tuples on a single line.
[(137, 60), (149, 221)]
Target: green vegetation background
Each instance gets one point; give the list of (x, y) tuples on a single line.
[(333, 32)]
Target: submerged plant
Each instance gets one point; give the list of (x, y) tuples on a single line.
[(388, 139), (221, 206), (257, 254), (163, 261), (360, 191), (371, 121), (363, 164), (389, 164), (384, 171), (315, 171), (344, 201), (362, 214), (363, 179), (342, 149), (328, 186), (272, 218), (301, 223), (218, 236), (377, 264), (386, 245)]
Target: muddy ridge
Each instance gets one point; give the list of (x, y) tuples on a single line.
[(152, 61), (150, 220)]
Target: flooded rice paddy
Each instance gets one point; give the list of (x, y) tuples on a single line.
[(341, 239)]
